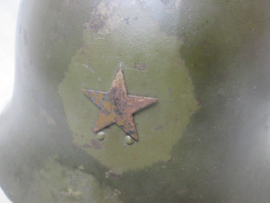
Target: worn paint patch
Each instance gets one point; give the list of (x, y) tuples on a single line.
[(105, 18), (141, 42), (69, 185)]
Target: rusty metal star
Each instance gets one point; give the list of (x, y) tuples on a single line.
[(117, 106)]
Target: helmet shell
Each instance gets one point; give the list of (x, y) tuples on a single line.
[(207, 138)]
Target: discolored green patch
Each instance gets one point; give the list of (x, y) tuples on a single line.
[(69, 186), (152, 67)]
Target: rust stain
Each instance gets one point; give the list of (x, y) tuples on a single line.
[(117, 106)]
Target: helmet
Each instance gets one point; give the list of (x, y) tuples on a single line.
[(139, 101)]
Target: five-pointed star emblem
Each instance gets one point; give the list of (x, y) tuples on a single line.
[(117, 107)]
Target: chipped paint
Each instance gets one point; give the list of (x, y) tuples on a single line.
[(89, 68), (96, 144), (140, 66), (113, 175)]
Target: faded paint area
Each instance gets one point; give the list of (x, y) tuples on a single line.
[(141, 42), (105, 18), (174, 7), (69, 186)]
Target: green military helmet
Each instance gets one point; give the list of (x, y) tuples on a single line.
[(139, 101)]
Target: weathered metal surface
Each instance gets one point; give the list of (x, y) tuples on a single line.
[(117, 106), (207, 141)]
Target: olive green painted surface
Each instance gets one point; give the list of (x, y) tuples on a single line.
[(164, 77), (222, 46)]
